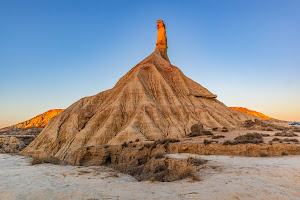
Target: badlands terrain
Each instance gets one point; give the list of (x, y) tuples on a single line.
[(156, 134)]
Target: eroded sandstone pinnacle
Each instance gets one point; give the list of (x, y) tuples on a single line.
[(161, 43)]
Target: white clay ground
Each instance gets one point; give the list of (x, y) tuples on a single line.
[(223, 177)]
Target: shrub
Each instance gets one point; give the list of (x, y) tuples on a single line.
[(248, 123), (140, 149), (51, 159), (254, 138), (167, 141), (189, 172), (137, 140), (159, 155), (218, 136), (124, 144), (291, 140), (174, 140), (296, 130), (275, 139), (196, 161), (195, 134), (165, 170), (264, 135), (36, 161), (263, 154), (228, 142), (154, 145), (215, 129), (269, 129), (207, 141), (284, 153), (207, 133), (286, 134), (224, 129), (235, 142), (249, 136), (281, 128)]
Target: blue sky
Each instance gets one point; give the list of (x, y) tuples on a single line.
[(52, 53)]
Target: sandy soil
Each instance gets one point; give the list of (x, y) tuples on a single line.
[(234, 133), (223, 177)]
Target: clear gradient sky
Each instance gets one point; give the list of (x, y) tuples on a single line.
[(52, 53)]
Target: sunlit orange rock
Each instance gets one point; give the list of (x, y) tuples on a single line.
[(252, 112), (162, 43), (39, 121)]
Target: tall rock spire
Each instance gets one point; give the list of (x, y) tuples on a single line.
[(161, 43)]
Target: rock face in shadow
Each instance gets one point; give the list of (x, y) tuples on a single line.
[(14, 144), (154, 100)]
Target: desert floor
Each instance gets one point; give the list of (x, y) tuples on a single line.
[(223, 177)]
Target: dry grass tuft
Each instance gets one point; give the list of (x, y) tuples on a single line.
[(264, 134), (263, 154), (291, 140), (196, 161), (253, 138), (83, 172), (249, 137), (125, 144), (51, 159), (286, 134), (207, 133), (159, 155), (218, 137), (210, 141), (224, 129)]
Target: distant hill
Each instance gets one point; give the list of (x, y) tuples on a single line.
[(39, 121), (251, 112)]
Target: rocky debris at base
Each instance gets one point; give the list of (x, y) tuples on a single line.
[(14, 140), (14, 144), (12, 131)]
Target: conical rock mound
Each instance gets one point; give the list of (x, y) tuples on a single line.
[(154, 100)]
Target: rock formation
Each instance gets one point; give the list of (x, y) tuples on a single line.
[(39, 121), (162, 44), (154, 100), (14, 144), (252, 112)]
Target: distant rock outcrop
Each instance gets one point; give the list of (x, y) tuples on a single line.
[(252, 112), (39, 121), (15, 138)]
